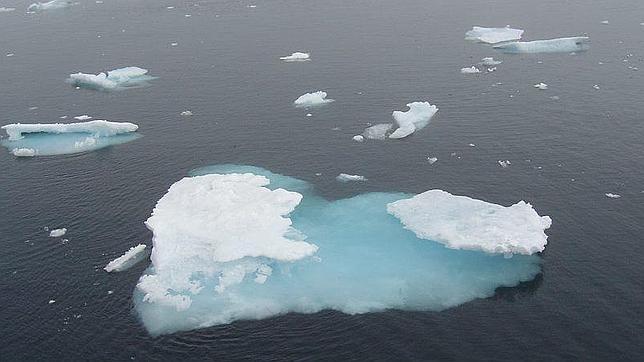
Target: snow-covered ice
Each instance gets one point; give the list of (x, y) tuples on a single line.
[(470, 70), (490, 62), (378, 131), (56, 233), (358, 138), (297, 57), (345, 177), (461, 222), (312, 99), (23, 152), (566, 45), (51, 5), (542, 86), (134, 255), (417, 117), (122, 78), (98, 128), (493, 35)]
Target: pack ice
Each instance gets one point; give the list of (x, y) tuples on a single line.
[(122, 78), (51, 5), (46, 139), (559, 45), (239, 242), (493, 35)]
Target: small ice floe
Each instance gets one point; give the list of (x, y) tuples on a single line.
[(122, 78), (297, 57), (6, 10), (51, 5), (51, 301), (542, 86), (251, 6), (490, 62), (312, 99), (559, 45), (23, 152), (344, 177), (605, 22), (309, 115), (417, 117), (493, 35), (186, 113), (490, 70), (432, 160), (505, 163), (596, 86), (555, 98), (84, 117), (358, 138), (378, 131), (174, 44), (470, 70), (472, 145), (127, 260), (10, 54), (56, 233), (613, 196), (109, 292)]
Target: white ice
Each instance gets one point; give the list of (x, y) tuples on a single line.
[(493, 35), (504, 163), (470, 70), (566, 45), (613, 196), (297, 57), (128, 77), (542, 86), (51, 5), (98, 128), (432, 160), (461, 222), (345, 177), (358, 138), (417, 117), (127, 260), (489, 62), (56, 233), (84, 117), (6, 10), (378, 131), (312, 99), (23, 152)]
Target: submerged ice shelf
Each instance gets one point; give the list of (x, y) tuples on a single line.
[(559, 45), (239, 242), (122, 78), (46, 139)]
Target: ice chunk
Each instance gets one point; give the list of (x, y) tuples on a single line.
[(51, 5), (56, 233), (345, 177), (542, 86), (358, 138), (605, 22), (366, 261), (489, 62), (613, 196), (460, 222), (44, 139), (84, 117), (6, 10), (566, 45), (297, 57), (51, 301), (186, 113), (505, 163), (432, 160), (122, 78), (596, 86), (127, 260), (378, 131), (417, 117), (312, 99), (470, 70), (493, 35)]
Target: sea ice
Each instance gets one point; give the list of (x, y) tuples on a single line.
[(461, 222), (613, 196), (417, 117), (231, 243), (358, 138), (46, 139), (122, 78), (542, 86), (56, 233), (378, 131), (186, 113), (566, 45), (51, 5), (493, 35), (505, 163), (84, 117), (297, 57), (470, 70), (127, 260), (312, 99), (345, 177), (6, 10), (490, 62), (432, 160)]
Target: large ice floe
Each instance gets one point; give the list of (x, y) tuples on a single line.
[(50, 5), (46, 139), (417, 117), (493, 35), (559, 45), (122, 78), (312, 99), (240, 243)]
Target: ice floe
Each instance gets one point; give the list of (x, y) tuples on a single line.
[(134, 255), (542, 86), (239, 243), (51, 5), (566, 45), (504, 163), (432, 160), (417, 117), (493, 35), (312, 99), (297, 57), (186, 113), (46, 139), (84, 117), (6, 10), (464, 223), (122, 78), (612, 195), (345, 177), (56, 233), (358, 138), (470, 70), (378, 131), (490, 62)]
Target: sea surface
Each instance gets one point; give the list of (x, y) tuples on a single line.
[(568, 145)]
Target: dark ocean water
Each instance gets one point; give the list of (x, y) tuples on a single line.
[(372, 57)]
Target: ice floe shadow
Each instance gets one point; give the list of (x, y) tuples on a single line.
[(366, 262)]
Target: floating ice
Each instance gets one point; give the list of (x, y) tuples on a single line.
[(596, 86), (566, 45), (415, 118), (470, 70), (51, 5), (542, 86), (122, 78), (366, 261), (84, 117), (297, 57), (312, 99), (489, 62), (460, 222), (127, 260), (56, 233), (345, 177), (432, 160), (378, 131), (46, 139), (605, 22), (6, 10), (358, 138), (505, 163), (493, 35), (186, 113), (613, 196)]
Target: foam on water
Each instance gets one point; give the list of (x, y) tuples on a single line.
[(364, 261)]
